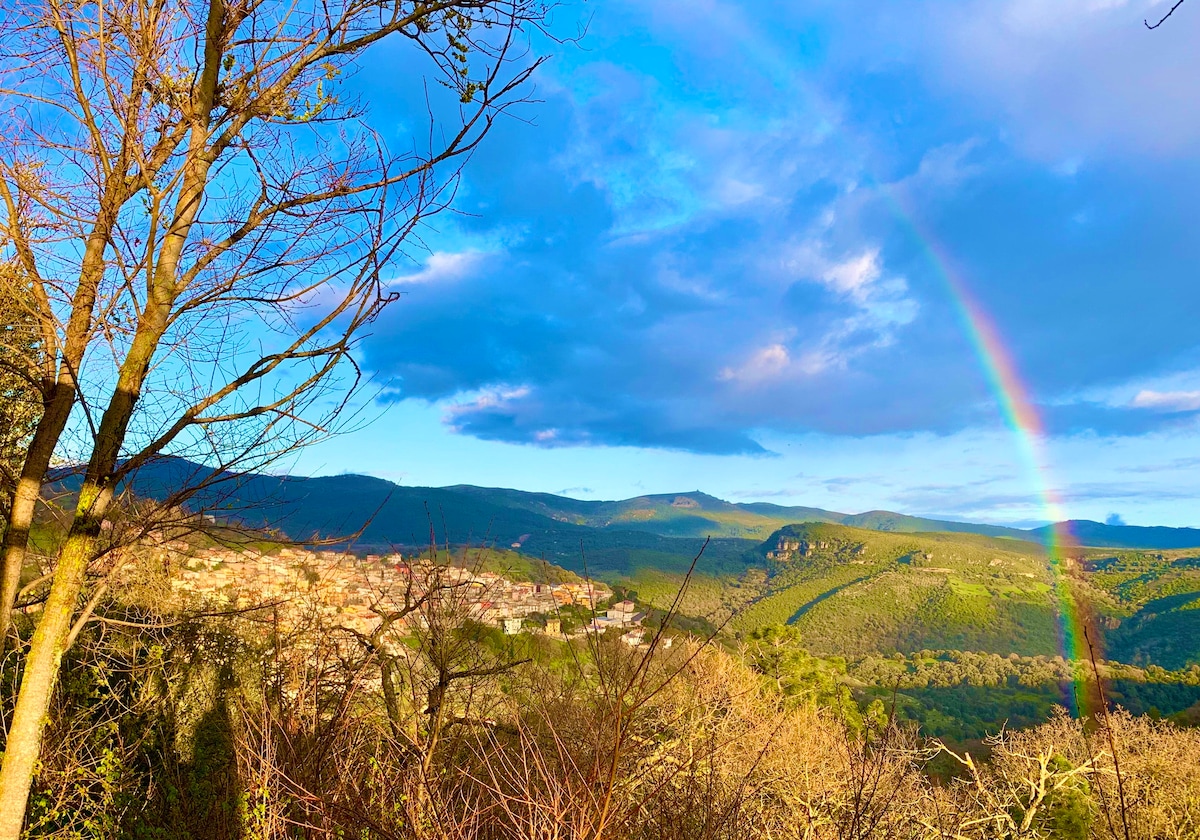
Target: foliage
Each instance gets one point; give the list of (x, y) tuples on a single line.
[(704, 749), (777, 654), (205, 227), (855, 592), (1156, 598), (965, 695), (20, 399), (234, 726)]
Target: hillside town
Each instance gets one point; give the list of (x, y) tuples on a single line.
[(355, 592)]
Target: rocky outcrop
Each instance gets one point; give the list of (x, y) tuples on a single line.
[(789, 547)]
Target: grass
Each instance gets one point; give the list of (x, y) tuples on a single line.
[(852, 591), (782, 605)]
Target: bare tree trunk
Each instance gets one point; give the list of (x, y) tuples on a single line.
[(50, 639), (58, 405), (28, 490), (41, 671)]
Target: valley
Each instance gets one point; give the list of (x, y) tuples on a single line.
[(957, 624), (852, 585)]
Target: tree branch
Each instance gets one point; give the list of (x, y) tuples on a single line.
[(1163, 19)]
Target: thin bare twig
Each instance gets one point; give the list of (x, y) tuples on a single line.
[(1163, 19)]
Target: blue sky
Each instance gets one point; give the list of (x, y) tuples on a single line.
[(704, 263)]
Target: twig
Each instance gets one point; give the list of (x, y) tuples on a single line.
[(1112, 744), (1163, 19)]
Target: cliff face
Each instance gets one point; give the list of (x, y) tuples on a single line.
[(788, 548), (796, 542)]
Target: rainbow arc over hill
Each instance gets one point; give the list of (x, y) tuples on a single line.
[(1012, 395), (1022, 418)]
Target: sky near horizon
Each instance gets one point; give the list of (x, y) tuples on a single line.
[(715, 256)]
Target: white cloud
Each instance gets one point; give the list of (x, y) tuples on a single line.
[(764, 364), (881, 303), (822, 359), (1038, 16), (883, 299), (489, 399), (943, 169), (1070, 76), (854, 276), (443, 267), (1167, 400), (730, 192), (1165, 392)]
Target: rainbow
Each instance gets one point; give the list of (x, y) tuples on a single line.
[(1022, 418), (1000, 370)]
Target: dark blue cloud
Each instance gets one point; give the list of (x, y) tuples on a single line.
[(685, 252), (1089, 278), (1084, 416)]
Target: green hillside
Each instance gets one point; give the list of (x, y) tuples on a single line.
[(692, 514), (1156, 604), (853, 592), (886, 520), (1085, 532), (698, 514)]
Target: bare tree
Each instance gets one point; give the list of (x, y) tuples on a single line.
[(204, 226)]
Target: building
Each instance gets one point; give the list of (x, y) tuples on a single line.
[(601, 623), (634, 638), (624, 613)]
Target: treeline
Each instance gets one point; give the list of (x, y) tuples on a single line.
[(943, 668), (967, 712), (963, 695)]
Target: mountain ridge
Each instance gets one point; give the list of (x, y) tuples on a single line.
[(390, 513)]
